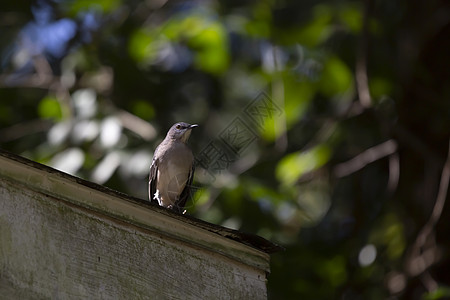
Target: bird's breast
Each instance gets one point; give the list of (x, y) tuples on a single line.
[(173, 172)]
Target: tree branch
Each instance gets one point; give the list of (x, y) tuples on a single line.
[(369, 156), (362, 83), (419, 258)]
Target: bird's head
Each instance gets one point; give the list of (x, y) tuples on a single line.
[(181, 131)]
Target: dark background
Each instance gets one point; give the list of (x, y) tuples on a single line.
[(324, 125)]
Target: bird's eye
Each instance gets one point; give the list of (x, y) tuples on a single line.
[(178, 126)]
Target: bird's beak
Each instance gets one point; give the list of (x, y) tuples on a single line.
[(187, 133)]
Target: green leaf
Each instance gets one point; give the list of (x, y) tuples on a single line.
[(389, 233), (143, 109), (139, 46), (379, 87), (336, 78), (104, 6), (49, 108), (259, 25), (350, 16), (294, 165), (333, 270), (211, 46), (319, 29), (442, 292), (298, 94)]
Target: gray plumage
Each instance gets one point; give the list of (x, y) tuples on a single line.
[(172, 169)]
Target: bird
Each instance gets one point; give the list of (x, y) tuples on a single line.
[(172, 169)]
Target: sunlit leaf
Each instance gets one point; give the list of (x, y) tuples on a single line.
[(257, 28), (269, 113), (319, 29), (389, 233), (104, 6), (298, 94), (139, 45), (351, 16), (442, 292), (211, 48), (294, 165), (233, 197), (49, 108), (200, 197), (336, 77), (379, 87), (333, 270), (259, 25), (143, 109), (206, 38)]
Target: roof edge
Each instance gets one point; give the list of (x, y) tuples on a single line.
[(247, 248)]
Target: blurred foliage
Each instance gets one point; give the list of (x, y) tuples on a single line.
[(286, 148)]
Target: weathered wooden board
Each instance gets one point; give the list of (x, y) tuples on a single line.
[(63, 240)]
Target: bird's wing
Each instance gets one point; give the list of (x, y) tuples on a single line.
[(152, 180), (186, 193)]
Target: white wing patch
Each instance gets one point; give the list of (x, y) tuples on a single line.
[(157, 197)]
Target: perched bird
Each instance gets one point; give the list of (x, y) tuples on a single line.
[(172, 169)]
